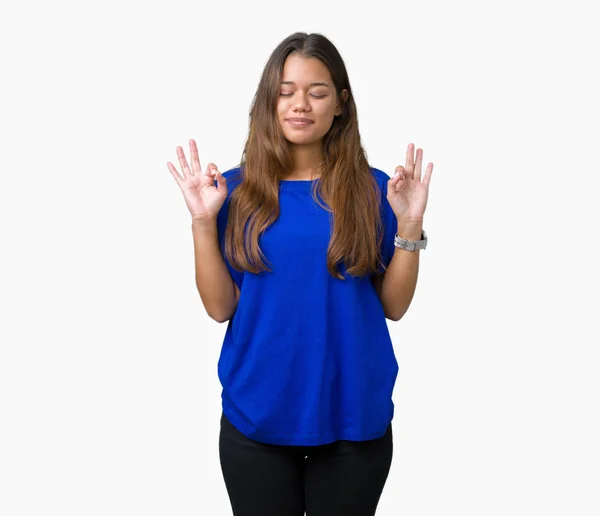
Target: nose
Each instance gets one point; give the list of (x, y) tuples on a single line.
[(300, 104)]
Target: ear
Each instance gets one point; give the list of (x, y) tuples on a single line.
[(338, 107)]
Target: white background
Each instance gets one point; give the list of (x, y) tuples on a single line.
[(109, 395)]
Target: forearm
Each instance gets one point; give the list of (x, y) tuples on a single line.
[(400, 278), (214, 283)]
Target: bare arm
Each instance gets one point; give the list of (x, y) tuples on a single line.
[(400, 279), (218, 291)]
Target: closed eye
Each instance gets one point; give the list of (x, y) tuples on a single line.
[(290, 94)]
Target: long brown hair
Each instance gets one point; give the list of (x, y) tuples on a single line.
[(346, 185)]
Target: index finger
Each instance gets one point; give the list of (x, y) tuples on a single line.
[(195, 158), (410, 160)]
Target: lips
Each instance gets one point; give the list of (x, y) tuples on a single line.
[(299, 122)]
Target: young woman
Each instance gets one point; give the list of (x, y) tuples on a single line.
[(305, 250)]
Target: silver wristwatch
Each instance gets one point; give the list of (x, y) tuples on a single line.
[(411, 245)]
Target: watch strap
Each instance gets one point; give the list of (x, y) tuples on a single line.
[(411, 245)]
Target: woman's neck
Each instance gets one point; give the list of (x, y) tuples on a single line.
[(307, 161)]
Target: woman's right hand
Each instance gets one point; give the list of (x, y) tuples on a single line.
[(202, 198)]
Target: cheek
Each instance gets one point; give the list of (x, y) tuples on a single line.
[(325, 109), (324, 115), (283, 104)]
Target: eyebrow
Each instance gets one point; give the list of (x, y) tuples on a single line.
[(311, 84)]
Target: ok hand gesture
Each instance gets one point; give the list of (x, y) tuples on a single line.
[(406, 193), (202, 197)]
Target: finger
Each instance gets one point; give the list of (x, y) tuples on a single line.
[(395, 181), (410, 160), (211, 168), (427, 176), (212, 171), (183, 162), (196, 170), (174, 172), (222, 182), (418, 163)]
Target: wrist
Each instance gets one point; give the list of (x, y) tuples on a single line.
[(410, 229), (207, 223)]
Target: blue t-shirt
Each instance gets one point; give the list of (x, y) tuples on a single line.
[(307, 358)]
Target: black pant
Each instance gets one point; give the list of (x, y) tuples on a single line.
[(341, 478)]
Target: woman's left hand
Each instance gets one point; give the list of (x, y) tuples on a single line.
[(406, 193)]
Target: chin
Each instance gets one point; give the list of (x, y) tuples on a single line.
[(300, 139)]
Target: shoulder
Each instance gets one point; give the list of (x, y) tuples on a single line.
[(381, 177), (232, 173), (379, 174), (233, 176)]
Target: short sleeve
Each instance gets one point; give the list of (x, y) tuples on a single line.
[(222, 217), (390, 222)]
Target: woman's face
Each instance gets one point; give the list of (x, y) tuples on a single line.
[(306, 92)]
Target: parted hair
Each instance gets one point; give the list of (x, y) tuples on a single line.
[(346, 184)]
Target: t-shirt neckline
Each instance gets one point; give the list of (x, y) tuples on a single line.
[(297, 182)]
